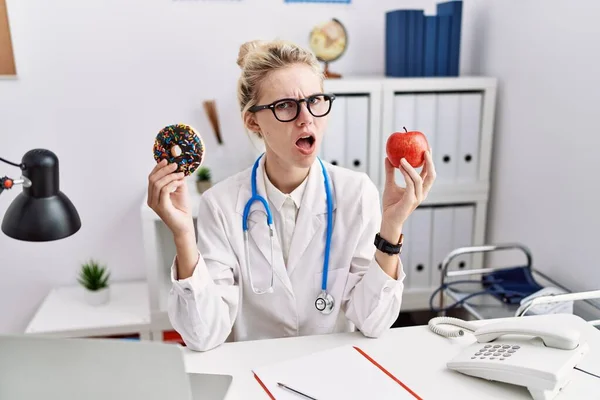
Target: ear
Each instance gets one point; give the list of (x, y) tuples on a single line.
[(251, 123)]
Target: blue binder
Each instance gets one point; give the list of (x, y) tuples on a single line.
[(417, 43), (453, 10), (443, 46), (396, 43), (430, 48), (404, 42)]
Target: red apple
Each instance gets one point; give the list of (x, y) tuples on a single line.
[(410, 145)]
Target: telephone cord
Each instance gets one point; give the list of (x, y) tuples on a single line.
[(434, 322)]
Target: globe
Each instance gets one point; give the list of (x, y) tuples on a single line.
[(328, 40)]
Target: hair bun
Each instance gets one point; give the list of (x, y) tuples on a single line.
[(247, 48)]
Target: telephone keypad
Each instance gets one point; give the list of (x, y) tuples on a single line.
[(497, 352)]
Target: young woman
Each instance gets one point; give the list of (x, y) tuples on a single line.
[(328, 262)]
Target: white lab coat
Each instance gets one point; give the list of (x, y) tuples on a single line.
[(217, 304)]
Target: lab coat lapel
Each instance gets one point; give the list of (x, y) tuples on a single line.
[(259, 235), (312, 217)]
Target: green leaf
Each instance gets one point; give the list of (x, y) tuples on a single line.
[(93, 276)]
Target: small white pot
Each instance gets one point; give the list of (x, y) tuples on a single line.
[(97, 297)]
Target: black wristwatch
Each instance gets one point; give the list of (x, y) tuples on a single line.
[(387, 247)]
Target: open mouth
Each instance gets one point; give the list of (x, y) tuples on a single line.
[(305, 143)]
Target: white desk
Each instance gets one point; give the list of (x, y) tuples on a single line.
[(405, 352), (65, 313)]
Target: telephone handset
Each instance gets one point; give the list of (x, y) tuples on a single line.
[(538, 351)]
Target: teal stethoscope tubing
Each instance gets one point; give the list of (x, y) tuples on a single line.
[(257, 197)]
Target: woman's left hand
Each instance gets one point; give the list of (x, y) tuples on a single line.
[(399, 202)]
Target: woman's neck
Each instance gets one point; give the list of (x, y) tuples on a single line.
[(284, 177)]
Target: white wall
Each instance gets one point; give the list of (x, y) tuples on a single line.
[(545, 190), (99, 78), (110, 71)]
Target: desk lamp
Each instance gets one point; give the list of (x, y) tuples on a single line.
[(41, 212)]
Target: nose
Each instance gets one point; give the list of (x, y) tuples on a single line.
[(304, 117)]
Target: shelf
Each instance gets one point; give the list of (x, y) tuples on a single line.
[(64, 312), (457, 193), (369, 83)]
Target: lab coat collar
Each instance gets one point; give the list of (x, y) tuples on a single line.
[(277, 198), (311, 216)]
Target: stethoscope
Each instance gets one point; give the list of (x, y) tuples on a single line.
[(324, 302)]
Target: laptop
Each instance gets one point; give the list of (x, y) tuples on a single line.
[(37, 367)]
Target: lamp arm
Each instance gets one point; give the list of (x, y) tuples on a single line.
[(8, 183)]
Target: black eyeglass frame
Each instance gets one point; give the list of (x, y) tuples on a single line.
[(328, 96)]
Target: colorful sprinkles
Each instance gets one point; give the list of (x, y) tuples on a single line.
[(179, 144)]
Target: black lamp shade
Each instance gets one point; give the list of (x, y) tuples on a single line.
[(41, 212)]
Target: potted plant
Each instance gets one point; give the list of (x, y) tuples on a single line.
[(203, 179), (94, 279)]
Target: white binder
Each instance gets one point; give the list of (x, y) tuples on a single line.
[(357, 132), (462, 237), (445, 154), (426, 117), (404, 116), (420, 248), (334, 140), (468, 143), (442, 242), (405, 257)]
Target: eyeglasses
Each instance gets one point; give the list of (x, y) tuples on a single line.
[(286, 110)]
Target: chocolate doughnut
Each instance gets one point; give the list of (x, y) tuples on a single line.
[(179, 144)]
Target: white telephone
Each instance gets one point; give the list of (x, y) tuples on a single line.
[(538, 351)]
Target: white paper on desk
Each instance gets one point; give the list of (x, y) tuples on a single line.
[(338, 373)]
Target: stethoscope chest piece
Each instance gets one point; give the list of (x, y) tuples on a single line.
[(324, 303)]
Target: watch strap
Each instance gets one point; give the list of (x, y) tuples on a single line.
[(387, 247)]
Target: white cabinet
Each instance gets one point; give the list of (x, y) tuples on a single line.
[(457, 117)]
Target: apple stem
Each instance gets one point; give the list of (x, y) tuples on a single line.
[(405, 129)]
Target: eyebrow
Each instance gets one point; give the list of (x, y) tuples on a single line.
[(296, 98)]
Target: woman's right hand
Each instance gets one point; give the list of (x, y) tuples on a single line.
[(168, 197)]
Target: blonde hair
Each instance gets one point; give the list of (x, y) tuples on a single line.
[(258, 58)]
